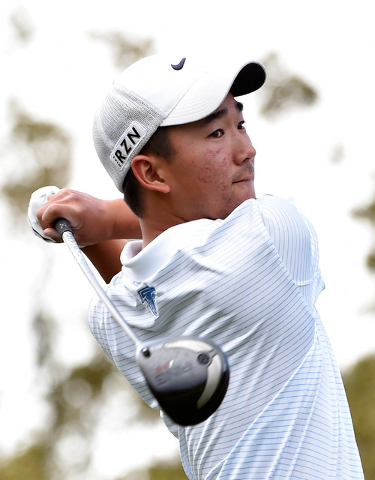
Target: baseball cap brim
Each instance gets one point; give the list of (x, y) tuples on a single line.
[(209, 91)]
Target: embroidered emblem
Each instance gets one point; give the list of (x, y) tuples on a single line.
[(126, 144), (147, 295)]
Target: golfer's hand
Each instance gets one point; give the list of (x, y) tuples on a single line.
[(91, 219)]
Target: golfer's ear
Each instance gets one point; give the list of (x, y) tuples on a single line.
[(149, 171)]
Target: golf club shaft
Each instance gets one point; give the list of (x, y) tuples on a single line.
[(63, 227)]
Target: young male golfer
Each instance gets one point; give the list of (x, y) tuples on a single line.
[(215, 261)]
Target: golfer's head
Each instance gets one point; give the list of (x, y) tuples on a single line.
[(155, 92)]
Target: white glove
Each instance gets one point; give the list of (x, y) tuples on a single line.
[(37, 200)]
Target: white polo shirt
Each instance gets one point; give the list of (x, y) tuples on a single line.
[(249, 283)]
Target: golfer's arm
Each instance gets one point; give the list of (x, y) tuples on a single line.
[(105, 256)]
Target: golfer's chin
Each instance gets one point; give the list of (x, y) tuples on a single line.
[(244, 190), (225, 213)]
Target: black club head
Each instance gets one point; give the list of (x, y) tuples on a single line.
[(188, 376)]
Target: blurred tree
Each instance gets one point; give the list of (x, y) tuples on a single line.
[(29, 465), (42, 152), (360, 380), (360, 388), (283, 91), (125, 50), (159, 471), (22, 28), (368, 213)]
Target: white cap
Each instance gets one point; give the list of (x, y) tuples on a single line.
[(153, 93)]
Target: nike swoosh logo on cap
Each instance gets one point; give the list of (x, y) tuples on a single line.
[(180, 65)]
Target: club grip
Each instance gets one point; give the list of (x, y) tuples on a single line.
[(62, 225)]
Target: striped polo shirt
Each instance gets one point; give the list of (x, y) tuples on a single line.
[(248, 283)]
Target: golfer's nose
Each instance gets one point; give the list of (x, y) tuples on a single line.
[(244, 149)]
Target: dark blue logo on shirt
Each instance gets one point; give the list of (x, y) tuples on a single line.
[(147, 295)]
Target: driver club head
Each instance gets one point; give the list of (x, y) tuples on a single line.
[(188, 376)]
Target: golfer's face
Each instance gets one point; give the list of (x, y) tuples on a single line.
[(212, 171)]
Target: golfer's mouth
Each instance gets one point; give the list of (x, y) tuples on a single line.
[(246, 174), (245, 180)]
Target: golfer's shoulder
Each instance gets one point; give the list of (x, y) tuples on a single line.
[(271, 202), (284, 220), (278, 209)]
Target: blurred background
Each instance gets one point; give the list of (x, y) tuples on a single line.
[(65, 413)]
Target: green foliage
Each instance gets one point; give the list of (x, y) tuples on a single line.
[(159, 472), (20, 22), (368, 213), (124, 50), (370, 262), (28, 465), (74, 394), (43, 150), (283, 91), (360, 388)]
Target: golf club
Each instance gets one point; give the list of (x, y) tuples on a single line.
[(188, 376)]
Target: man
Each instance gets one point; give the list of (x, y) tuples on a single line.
[(220, 263)]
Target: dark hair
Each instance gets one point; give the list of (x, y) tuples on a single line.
[(160, 145)]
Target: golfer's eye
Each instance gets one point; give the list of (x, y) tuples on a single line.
[(241, 125), (217, 133)]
